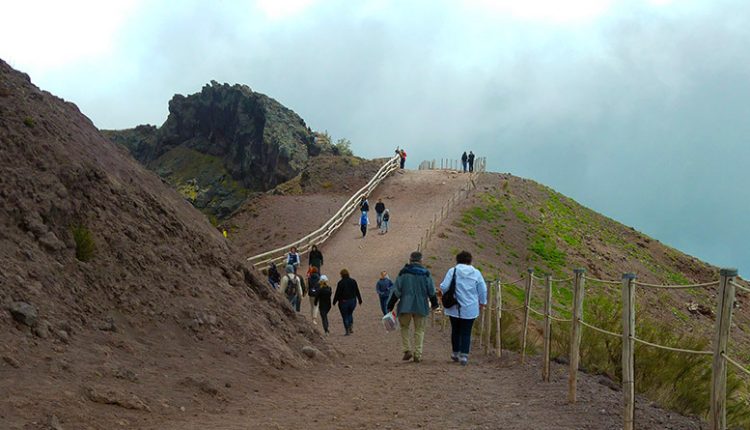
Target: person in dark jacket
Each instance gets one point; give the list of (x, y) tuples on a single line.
[(347, 295), (414, 287), (383, 288), (379, 209), (464, 159), (471, 161), (274, 277), (364, 205), (323, 301), (316, 257)]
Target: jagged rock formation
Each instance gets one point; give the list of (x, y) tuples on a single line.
[(222, 144)]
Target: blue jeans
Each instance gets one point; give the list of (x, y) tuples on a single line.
[(379, 218), (461, 334), (295, 302), (464, 163), (384, 304), (346, 307)]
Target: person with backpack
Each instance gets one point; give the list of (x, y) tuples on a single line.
[(383, 287), (347, 295), (413, 289), (471, 161), (315, 257), (363, 221), (464, 159), (274, 277), (313, 287), (293, 258), (385, 222), (470, 292), (379, 208), (323, 301), (291, 287)]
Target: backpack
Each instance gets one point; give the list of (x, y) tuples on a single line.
[(386, 216), (291, 286), (313, 285), (449, 296)]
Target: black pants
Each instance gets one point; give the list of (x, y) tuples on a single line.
[(363, 227), (403, 160), (461, 334), (324, 318)]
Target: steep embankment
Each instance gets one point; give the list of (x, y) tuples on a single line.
[(120, 303)]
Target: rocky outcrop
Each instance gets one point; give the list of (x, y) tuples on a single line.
[(222, 144)]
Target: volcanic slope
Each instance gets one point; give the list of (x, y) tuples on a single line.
[(120, 303)]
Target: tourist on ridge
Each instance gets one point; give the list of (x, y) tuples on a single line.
[(364, 205), (274, 277), (471, 161), (379, 208), (347, 295), (471, 293), (316, 257), (323, 301), (313, 287), (291, 287), (363, 221), (414, 287), (386, 220), (383, 288), (464, 159), (293, 258), (402, 154)]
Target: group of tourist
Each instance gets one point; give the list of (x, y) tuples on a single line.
[(467, 161), (383, 216)]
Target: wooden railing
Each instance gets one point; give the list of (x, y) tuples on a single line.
[(322, 234), (726, 289)]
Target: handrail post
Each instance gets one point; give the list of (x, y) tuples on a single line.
[(575, 333), (547, 327), (488, 320), (628, 349), (718, 416), (526, 301), (498, 319)]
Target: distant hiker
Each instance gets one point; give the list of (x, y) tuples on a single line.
[(471, 161), (414, 287), (383, 288), (313, 287), (323, 301), (291, 287), (379, 208), (363, 221), (385, 222), (293, 258), (402, 154), (471, 293), (464, 159), (364, 205), (347, 295), (316, 257), (274, 277)]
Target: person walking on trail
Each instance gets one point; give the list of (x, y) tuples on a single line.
[(274, 277), (464, 159), (471, 161), (385, 222), (323, 301), (364, 205), (383, 288), (347, 295), (291, 287), (313, 287), (315, 257), (471, 294), (414, 287), (379, 208), (293, 258), (363, 221), (402, 154)]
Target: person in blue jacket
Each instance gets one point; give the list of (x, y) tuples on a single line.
[(363, 221), (383, 288), (471, 294)]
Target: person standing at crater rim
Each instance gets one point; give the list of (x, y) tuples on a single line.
[(471, 161), (464, 159)]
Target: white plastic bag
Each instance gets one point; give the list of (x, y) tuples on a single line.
[(389, 321)]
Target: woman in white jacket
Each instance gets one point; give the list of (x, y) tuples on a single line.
[(471, 294)]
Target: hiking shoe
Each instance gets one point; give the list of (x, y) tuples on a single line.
[(463, 360), (407, 356), (454, 356)]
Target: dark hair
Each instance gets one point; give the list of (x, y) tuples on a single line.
[(344, 273), (314, 247), (463, 257)]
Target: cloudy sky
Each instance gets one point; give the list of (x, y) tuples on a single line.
[(638, 109)]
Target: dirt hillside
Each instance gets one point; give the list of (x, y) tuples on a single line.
[(120, 302)]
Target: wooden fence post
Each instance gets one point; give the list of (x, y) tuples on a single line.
[(488, 321), (718, 416), (498, 320), (575, 333), (547, 327), (526, 301), (628, 349)]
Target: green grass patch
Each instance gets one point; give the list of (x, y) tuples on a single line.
[(85, 245)]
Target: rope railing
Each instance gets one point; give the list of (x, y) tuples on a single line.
[(600, 330), (671, 348), (736, 364), (741, 287), (677, 287), (604, 281)]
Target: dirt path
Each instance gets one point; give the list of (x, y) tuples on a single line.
[(370, 387)]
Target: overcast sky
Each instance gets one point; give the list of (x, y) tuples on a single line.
[(637, 109)]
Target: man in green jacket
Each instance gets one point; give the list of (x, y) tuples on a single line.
[(414, 287)]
